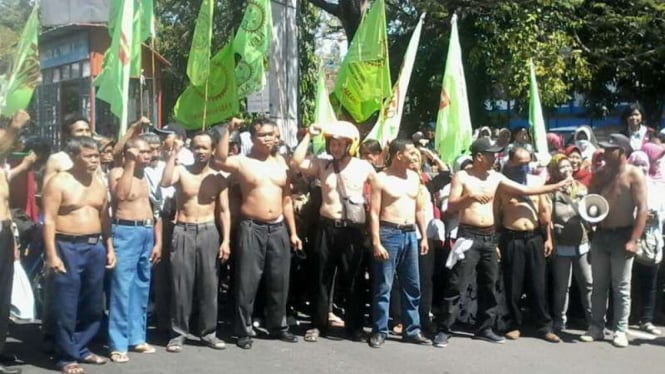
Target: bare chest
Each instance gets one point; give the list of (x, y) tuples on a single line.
[(257, 173), (397, 188), (350, 181)]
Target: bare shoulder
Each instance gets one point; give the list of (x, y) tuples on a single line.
[(115, 173), (636, 175)]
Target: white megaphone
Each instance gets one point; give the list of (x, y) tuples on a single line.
[(593, 208)]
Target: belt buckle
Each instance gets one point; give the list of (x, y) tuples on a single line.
[(147, 223), (93, 240)]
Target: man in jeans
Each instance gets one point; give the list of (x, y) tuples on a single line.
[(396, 208), (471, 195), (615, 241)]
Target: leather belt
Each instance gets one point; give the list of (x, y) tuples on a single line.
[(128, 222)]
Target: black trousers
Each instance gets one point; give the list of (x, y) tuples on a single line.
[(338, 248), (480, 261), (263, 248), (6, 277), (194, 266), (161, 276), (523, 261)]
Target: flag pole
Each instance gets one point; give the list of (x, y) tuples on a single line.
[(205, 108), (154, 78), (141, 81)]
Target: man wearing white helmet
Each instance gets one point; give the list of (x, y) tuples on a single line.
[(339, 242)]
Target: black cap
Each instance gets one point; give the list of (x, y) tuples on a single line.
[(171, 128), (617, 141), (484, 145)]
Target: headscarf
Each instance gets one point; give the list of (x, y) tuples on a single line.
[(588, 146), (583, 175), (553, 165), (655, 152)]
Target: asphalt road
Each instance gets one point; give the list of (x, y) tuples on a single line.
[(646, 354)]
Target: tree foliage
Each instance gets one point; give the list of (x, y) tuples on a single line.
[(308, 63)]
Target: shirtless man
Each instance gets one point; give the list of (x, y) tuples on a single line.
[(264, 241), (196, 252), (72, 125), (339, 242), (78, 244), (7, 138), (472, 195), (615, 241), (396, 209), (134, 236), (525, 240)]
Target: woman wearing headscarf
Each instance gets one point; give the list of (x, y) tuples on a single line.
[(581, 172), (571, 243), (585, 140), (655, 153), (646, 273)]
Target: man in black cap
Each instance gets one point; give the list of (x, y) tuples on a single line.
[(173, 133), (615, 240), (472, 196)]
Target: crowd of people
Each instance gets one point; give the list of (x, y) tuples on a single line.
[(156, 225)]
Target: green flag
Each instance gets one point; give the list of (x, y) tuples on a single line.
[(25, 73), (536, 120), (113, 81), (453, 122), (222, 97), (252, 44), (198, 64), (324, 114), (390, 118), (364, 76), (143, 29)]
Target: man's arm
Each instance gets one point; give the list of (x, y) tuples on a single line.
[(380, 253), (156, 254), (513, 188), (299, 161), (287, 210), (171, 173), (123, 187), (25, 165), (497, 208), (107, 235), (52, 199), (457, 201), (545, 220), (230, 164), (20, 119), (638, 189), (225, 219), (133, 131)]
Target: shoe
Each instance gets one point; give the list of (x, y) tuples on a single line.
[(513, 334), (8, 370), (620, 340), (441, 340), (650, 328), (416, 339), (285, 336), (213, 342), (489, 336), (377, 339), (356, 335), (551, 337), (592, 334), (244, 342), (6, 359), (559, 326)]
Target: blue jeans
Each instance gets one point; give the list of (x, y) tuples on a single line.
[(130, 286), (402, 248), (79, 297)]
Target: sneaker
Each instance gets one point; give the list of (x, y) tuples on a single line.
[(620, 340), (551, 337), (416, 339), (592, 334), (489, 336), (513, 334), (213, 342), (441, 340), (377, 339), (650, 328)]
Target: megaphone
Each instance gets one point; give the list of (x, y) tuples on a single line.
[(593, 208)]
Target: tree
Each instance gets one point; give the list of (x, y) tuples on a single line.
[(308, 63), (13, 15)]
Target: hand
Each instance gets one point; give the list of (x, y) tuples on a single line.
[(565, 183), (548, 248), (224, 251), (30, 159), (137, 126), (55, 264), (631, 248), (173, 150), (20, 119), (314, 129), (380, 253), (235, 123), (424, 246), (483, 199), (427, 153), (156, 254), (110, 259), (132, 154), (296, 244)]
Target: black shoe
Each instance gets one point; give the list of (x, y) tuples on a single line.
[(6, 359), (416, 339), (377, 339), (8, 370), (244, 342), (489, 336), (356, 335), (285, 336), (441, 340)]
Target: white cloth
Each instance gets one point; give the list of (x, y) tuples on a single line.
[(245, 143), (23, 299), (457, 252), (185, 157), (637, 138)]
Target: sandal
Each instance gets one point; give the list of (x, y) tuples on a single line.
[(174, 346), (119, 357), (144, 348), (312, 335), (72, 368), (334, 320), (94, 359)]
